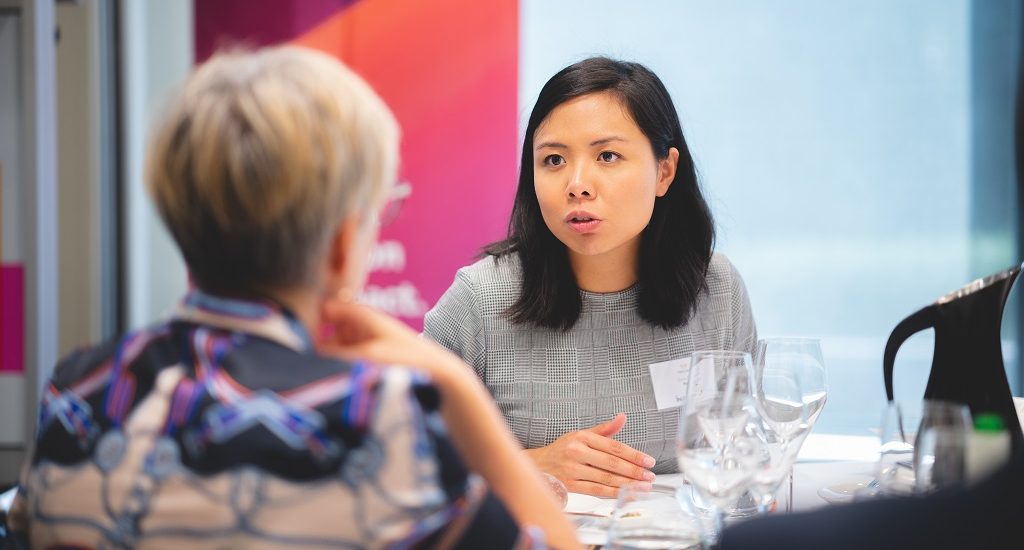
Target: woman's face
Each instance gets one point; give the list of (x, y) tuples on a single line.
[(596, 177)]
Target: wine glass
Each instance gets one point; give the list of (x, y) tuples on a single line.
[(790, 389), (770, 456), (764, 457), (717, 403), (652, 517)]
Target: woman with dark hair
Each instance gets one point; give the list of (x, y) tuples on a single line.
[(608, 268)]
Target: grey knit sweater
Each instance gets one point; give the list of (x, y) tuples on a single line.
[(548, 382)]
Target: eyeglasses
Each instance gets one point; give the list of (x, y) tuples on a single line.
[(401, 191)]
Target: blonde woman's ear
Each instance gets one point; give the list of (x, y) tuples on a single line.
[(348, 257), (341, 252)]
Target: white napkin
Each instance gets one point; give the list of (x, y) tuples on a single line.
[(586, 504)]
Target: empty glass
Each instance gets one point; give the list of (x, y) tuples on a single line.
[(771, 457), (940, 446), (718, 402), (922, 446), (790, 390), (654, 518), (894, 474), (557, 488), (763, 458)]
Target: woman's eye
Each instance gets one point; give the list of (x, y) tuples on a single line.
[(554, 160), (608, 156)]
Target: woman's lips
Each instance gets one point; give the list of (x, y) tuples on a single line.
[(582, 222), (584, 226)]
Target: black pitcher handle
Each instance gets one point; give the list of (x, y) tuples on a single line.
[(920, 320)]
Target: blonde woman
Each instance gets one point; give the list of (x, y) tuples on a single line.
[(230, 424)]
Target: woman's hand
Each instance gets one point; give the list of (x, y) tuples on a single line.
[(591, 462), (358, 332), (474, 423)]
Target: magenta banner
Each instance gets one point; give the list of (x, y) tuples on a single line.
[(449, 71), (12, 318)]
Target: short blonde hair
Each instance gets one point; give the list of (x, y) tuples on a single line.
[(260, 157)]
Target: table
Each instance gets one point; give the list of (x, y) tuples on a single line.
[(824, 460)]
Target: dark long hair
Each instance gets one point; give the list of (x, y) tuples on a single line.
[(676, 246)]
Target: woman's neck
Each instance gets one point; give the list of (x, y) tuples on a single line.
[(612, 271), (305, 305)]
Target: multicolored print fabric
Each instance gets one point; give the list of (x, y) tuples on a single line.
[(223, 428)]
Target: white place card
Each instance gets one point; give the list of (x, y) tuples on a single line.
[(669, 381)]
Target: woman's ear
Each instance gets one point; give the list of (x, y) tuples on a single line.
[(667, 171), (342, 255)]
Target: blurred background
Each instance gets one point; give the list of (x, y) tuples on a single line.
[(857, 154)]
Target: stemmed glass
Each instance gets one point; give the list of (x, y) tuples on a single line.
[(718, 402), (770, 456), (790, 389)]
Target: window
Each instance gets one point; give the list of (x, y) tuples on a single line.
[(858, 156)]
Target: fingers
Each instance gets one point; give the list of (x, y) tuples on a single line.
[(601, 476), (591, 464), (351, 324), (610, 428), (348, 314), (622, 468), (343, 323), (595, 489), (350, 353), (619, 450), (589, 457)]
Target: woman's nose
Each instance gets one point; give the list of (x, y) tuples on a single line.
[(578, 187)]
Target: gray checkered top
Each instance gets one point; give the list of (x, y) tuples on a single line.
[(548, 382)]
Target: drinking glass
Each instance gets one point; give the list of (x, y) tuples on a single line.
[(557, 488), (894, 473), (923, 446), (652, 517), (771, 458), (940, 446), (764, 458), (790, 389), (718, 401)]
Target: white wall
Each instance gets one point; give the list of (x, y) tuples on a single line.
[(11, 106), (158, 52), (78, 146), (34, 225), (12, 386)]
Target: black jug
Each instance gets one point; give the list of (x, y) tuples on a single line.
[(967, 364)]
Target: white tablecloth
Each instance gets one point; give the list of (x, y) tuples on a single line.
[(824, 461)]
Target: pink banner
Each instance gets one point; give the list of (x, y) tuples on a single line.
[(12, 318), (449, 71)]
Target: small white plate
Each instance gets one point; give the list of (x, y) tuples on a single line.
[(842, 492)]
